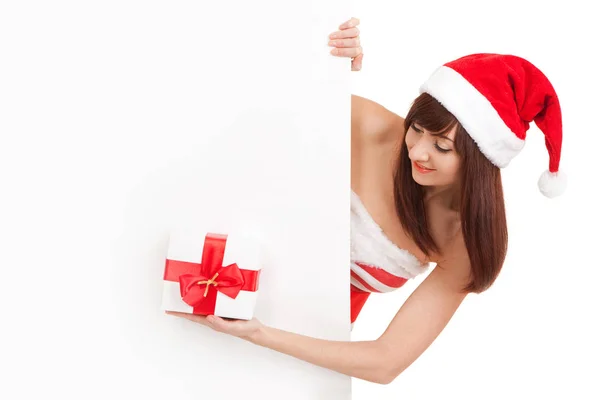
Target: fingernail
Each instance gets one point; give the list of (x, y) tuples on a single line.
[(333, 35), (332, 42)]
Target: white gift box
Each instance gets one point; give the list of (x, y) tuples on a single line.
[(188, 247)]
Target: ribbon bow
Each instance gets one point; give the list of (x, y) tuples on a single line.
[(228, 280)]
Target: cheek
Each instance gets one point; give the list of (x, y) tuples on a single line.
[(410, 139), (454, 166), (451, 165)]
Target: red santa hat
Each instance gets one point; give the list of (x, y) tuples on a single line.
[(495, 97)]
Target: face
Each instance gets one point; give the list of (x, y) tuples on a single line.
[(434, 159)]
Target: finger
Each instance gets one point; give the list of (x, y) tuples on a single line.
[(352, 22), (348, 33), (342, 52), (192, 317), (219, 324), (345, 42), (228, 325), (357, 62)]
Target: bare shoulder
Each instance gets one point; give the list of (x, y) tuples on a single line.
[(372, 122)]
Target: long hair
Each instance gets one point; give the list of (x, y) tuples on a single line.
[(482, 211)]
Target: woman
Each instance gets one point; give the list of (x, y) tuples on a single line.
[(426, 189)]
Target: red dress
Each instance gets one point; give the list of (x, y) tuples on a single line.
[(358, 298), (377, 264)]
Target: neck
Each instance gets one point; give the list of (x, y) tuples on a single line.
[(447, 196)]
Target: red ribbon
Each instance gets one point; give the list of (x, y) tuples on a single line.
[(199, 283)]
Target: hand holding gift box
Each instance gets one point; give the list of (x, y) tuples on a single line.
[(212, 274)]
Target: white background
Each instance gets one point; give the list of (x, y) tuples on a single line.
[(123, 120), (100, 107), (533, 335)]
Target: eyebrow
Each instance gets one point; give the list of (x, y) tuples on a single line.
[(442, 136)]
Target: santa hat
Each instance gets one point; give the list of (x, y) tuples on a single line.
[(495, 97)]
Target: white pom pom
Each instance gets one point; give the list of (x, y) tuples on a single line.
[(552, 184)]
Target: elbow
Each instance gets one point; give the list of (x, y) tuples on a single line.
[(383, 380), (386, 377), (387, 374), (390, 366)]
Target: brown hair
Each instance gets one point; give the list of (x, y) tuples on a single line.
[(482, 211)]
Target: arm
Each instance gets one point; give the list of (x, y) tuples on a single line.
[(370, 121), (416, 325), (373, 129), (423, 317), (358, 359)]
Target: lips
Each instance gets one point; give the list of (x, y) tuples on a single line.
[(421, 169)]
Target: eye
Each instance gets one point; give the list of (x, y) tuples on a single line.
[(442, 150), (415, 128)]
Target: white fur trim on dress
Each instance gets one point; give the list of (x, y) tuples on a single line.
[(552, 184), (476, 114), (370, 245)]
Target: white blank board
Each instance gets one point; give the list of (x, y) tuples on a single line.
[(122, 120)]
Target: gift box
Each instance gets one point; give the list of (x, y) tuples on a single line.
[(212, 274)]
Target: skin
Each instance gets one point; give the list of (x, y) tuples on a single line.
[(437, 154), (376, 136)]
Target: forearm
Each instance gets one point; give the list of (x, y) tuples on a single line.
[(364, 359)]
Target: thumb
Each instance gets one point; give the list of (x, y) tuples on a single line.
[(357, 62)]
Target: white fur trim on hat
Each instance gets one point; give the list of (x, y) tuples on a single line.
[(475, 113), (552, 184)]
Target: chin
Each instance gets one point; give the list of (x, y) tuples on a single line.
[(428, 183), (423, 182)]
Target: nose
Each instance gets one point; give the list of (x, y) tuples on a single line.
[(419, 151)]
